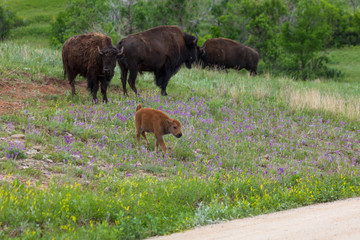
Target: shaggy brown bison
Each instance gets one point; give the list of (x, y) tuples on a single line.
[(152, 120), (226, 53), (92, 56), (161, 50)]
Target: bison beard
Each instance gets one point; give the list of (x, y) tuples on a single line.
[(161, 50), (92, 56)]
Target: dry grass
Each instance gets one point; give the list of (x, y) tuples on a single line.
[(314, 99)]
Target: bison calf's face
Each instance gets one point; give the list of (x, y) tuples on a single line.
[(175, 127)]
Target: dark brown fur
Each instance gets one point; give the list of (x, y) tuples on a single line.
[(161, 50), (92, 56), (226, 53), (152, 120)]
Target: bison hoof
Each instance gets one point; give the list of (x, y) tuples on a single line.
[(163, 93)]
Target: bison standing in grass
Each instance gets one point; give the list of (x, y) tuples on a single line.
[(226, 53), (92, 56), (161, 50)]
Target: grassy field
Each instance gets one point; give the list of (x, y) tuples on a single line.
[(37, 16), (250, 145)]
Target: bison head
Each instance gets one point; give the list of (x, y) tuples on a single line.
[(191, 45), (108, 57), (201, 55), (174, 127)]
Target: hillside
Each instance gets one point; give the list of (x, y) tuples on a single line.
[(37, 16)]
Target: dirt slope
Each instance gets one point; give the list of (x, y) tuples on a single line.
[(328, 221), (16, 94)]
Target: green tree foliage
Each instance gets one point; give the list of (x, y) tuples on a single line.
[(8, 20), (252, 22), (263, 26), (80, 16), (304, 37), (290, 35)]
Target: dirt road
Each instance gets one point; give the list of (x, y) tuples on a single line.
[(328, 221)]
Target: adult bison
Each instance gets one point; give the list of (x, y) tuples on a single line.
[(92, 56), (161, 50), (226, 53)]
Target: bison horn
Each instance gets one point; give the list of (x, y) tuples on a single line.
[(196, 39), (121, 51), (100, 53)]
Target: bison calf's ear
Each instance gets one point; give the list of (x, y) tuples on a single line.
[(169, 122)]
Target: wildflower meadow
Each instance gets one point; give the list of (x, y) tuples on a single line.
[(245, 151)]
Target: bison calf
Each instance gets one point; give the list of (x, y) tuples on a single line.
[(92, 56), (152, 120)]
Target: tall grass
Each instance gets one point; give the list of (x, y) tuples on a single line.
[(24, 59)]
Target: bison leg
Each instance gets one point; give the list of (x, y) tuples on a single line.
[(93, 85), (162, 145), (162, 80), (138, 137), (124, 73), (132, 78), (104, 85), (71, 78), (160, 141), (144, 135), (156, 145)]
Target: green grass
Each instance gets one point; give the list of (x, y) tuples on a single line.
[(36, 10), (250, 145), (37, 16), (347, 60)]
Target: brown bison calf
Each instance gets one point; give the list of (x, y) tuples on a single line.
[(92, 56), (152, 120)]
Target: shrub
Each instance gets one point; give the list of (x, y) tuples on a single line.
[(8, 20), (79, 17)]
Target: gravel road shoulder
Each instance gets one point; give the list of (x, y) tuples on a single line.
[(334, 220)]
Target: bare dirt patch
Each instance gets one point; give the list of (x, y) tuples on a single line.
[(14, 92)]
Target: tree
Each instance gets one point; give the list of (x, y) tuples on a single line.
[(8, 20), (354, 4), (121, 15), (79, 17), (263, 26), (304, 37)]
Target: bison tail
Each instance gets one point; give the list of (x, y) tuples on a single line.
[(64, 74), (138, 107)]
